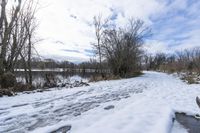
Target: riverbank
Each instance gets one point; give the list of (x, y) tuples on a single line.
[(137, 105)]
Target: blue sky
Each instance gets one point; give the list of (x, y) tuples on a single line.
[(179, 26), (67, 30)]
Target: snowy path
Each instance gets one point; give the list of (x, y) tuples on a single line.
[(141, 105)]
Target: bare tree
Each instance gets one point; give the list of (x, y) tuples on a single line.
[(195, 56), (99, 25), (122, 47), (6, 27), (17, 36), (184, 60), (30, 26)]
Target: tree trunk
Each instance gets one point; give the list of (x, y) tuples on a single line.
[(25, 68), (29, 61)]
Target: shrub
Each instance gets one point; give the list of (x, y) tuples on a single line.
[(7, 80), (19, 87), (96, 78)]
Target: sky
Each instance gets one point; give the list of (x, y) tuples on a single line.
[(67, 31)]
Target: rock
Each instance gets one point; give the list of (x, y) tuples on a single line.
[(79, 84), (53, 83), (109, 107), (72, 85), (84, 84), (63, 129)]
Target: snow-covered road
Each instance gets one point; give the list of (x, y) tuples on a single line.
[(139, 105)]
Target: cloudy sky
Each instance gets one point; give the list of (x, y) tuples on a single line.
[(67, 30)]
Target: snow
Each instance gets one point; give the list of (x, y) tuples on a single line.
[(40, 81), (178, 128), (143, 104)]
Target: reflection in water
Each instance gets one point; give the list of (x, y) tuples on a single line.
[(61, 76)]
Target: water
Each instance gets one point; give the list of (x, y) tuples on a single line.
[(61, 76), (191, 123)]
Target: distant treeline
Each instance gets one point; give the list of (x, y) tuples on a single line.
[(182, 61), (37, 63)]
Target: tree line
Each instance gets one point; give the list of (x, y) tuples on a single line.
[(187, 60), (37, 63)]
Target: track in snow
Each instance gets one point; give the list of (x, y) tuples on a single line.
[(154, 96), (41, 111)]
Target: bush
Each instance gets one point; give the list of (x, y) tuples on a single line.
[(7, 80), (96, 78), (190, 79), (6, 92), (135, 74), (19, 87)]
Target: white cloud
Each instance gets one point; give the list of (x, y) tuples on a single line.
[(177, 26), (155, 46), (69, 22), (193, 41)]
